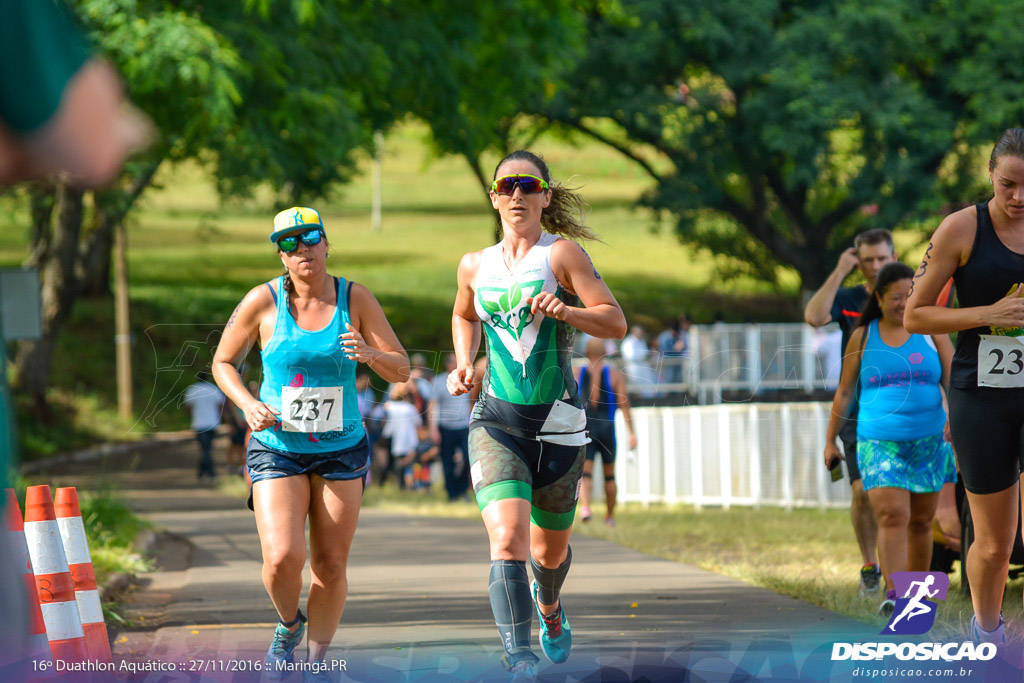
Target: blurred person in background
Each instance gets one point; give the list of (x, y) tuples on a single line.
[(603, 392), (636, 359), (449, 430), (205, 404), (402, 422)]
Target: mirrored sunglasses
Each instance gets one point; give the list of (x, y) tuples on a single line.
[(291, 242), (529, 184)]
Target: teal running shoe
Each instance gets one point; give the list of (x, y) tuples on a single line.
[(319, 675), (522, 667), (281, 655), (555, 633)]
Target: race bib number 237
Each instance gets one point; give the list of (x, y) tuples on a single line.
[(311, 409)]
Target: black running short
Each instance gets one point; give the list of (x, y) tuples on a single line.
[(988, 436), (848, 437), (602, 441)]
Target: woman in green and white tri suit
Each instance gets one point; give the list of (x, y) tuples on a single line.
[(528, 431)]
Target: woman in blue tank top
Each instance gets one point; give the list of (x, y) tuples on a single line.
[(308, 454), (902, 445), (982, 248)]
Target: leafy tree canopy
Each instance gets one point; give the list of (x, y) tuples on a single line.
[(794, 125)]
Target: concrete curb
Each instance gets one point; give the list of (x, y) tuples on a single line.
[(105, 450), (118, 583), (147, 538)]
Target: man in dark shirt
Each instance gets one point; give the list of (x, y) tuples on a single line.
[(871, 251)]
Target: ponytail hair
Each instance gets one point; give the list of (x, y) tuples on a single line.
[(887, 276), (565, 213)]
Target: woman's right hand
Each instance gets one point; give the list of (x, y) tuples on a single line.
[(832, 455), (260, 416), (1008, 311), (460, 380)]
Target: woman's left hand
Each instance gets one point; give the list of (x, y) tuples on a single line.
[(355, 347), (946, 434), (548, 304)]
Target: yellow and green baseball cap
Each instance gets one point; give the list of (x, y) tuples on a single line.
[(295, 218)]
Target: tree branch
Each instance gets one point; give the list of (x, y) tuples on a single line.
[(622, 149)]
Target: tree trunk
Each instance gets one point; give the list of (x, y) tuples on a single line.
[(59, 259), (474, 165), (92, 269), (42, 197), (57, 272)]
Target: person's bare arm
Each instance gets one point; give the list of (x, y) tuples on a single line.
[(240, 333), (818, 311), (844, 394), (600, 315), (465, 327), (949, 248)]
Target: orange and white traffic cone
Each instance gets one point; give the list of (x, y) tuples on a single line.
[(38, 647), (53, 578), (76, 549)]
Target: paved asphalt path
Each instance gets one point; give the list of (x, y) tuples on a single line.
[(418, 607)]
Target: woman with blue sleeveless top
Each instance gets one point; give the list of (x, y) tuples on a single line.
[(528, 428), (982, 248), (308, 453), (902, 442)]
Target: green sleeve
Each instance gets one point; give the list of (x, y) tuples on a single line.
[(41, 48)]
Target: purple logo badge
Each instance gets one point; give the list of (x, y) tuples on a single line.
[(916, 358), (915, 612)]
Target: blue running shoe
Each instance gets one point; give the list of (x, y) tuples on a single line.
[(522, 667), (281, 654), (979, 635), (555, 633), (318, 675)]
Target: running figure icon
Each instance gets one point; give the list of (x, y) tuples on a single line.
[(914, 607)]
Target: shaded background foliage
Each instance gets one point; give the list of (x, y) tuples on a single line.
[(804, 122)]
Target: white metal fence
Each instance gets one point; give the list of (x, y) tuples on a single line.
[(747, 359), (748, 454)]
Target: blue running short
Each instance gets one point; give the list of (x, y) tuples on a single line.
[(918, 465), (269, 463)]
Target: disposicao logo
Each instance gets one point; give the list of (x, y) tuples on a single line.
[(914, 614)]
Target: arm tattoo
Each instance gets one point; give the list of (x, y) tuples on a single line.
[(234, 315), (922, 269), (596, 274)]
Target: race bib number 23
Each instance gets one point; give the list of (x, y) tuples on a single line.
[(311, 409), (1000, 361)]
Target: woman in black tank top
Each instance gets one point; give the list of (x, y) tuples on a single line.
[(982, 248)]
